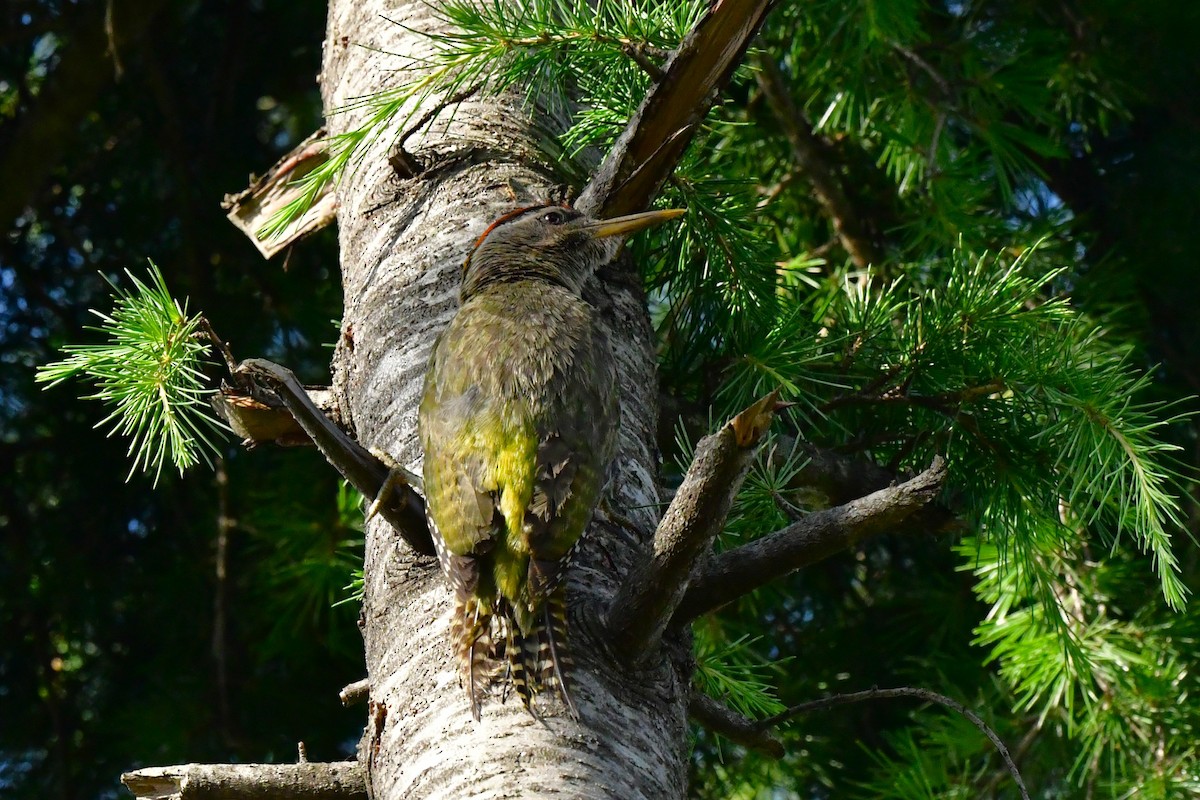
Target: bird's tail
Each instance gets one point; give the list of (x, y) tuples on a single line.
[(471, 631), (538, 660)]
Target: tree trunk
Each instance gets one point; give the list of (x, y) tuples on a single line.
[(403, 240)]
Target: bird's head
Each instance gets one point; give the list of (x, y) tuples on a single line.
[(556, 244)]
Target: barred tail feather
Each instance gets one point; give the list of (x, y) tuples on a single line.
[(521, 671), (470, 630), (538, 660), (555, 657)]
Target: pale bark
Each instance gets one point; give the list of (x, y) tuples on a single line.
[(403, 241), (341, 780)]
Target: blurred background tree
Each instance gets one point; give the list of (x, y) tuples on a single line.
[(180, 624)]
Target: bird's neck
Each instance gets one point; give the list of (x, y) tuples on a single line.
[(491, 275)]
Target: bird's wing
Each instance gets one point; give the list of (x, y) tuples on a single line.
[(576, 432), (456, 426)]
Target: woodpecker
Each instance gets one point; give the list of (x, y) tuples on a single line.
[(518, 422)]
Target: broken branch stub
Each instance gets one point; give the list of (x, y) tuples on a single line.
[(253, 208), (648, 598)]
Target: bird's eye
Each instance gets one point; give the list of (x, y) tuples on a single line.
[(554, 218)]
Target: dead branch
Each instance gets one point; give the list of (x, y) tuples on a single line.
[(720, 718), (254, 207), (404, 508), (902, 691), (355, 693), (817, 536), (810, 152), (265, 419), (340, 780), (655, 138), (649, 596)]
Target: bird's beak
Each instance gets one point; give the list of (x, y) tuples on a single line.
[(631, 223)]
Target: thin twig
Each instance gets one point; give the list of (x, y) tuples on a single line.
[(405, 160), (902, 691), (720, 718), (227, 354), (638, 54), (355, 693), (945, 403)]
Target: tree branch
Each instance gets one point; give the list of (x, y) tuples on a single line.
[(736, 572), (903, 691), (655, 138), (256, 206), (355, 693), (851, 226), (340, 780), (403, 508), (720, 718), (649, 596)]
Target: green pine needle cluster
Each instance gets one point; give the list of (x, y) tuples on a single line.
[(735, 673), (549, 47), (148, 371)]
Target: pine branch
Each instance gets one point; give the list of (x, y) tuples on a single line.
[(149, 370), (903, 691), (854, 228), (720, 718), (658, 134), (649, 596), (340, 780), (404, 508), (734, 573)]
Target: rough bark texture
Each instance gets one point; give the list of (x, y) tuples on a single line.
[(403, 241)]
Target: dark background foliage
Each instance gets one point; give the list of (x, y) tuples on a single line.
[(108, 652)]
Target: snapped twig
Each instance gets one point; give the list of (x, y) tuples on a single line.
[(252, 208), (404, 509), (355, 693), (736, 572), (902, 691), (720, 718), (649, 596), (655, 138)]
